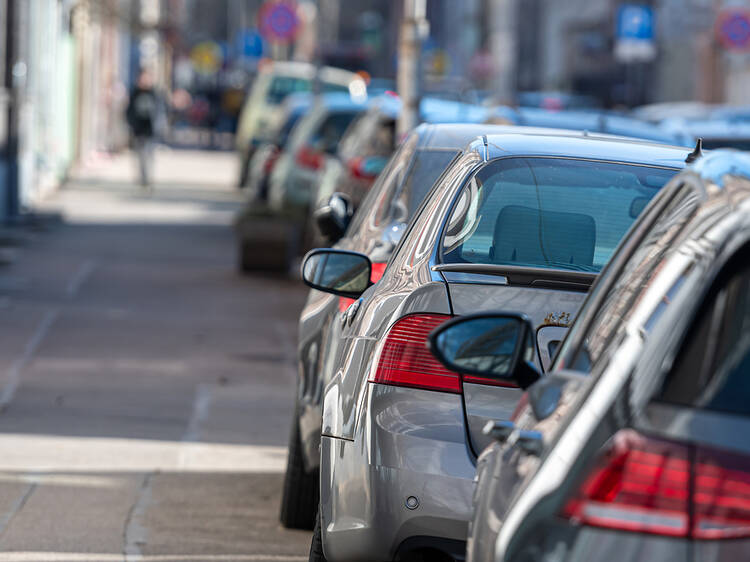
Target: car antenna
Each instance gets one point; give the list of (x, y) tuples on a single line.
[(697, 152)]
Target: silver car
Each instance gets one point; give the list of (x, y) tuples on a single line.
[(635, 447), (524, 220), (375, 230)]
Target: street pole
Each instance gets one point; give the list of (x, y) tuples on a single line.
[(503, 49), (11, 140), (414, 28)]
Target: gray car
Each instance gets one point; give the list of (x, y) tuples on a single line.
[(635, 446), (525, 220), (374, 231)]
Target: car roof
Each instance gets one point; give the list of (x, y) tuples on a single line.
[(456, 136), (334, 101), (529, 141)]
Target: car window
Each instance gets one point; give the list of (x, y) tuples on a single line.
[(712, 370), (371, 135), (282, 86), (329, 132), (404, 198), (392, 182), (550, 213), (609, 305), (384, 182)]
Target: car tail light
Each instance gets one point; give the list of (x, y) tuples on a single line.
[(377, 272), (405, 359), (662, 487), (359, 171), (308, 157), (271, 159)]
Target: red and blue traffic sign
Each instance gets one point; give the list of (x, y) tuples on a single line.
[(733, 29), (277, 20)]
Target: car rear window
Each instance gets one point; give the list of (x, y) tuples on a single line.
[(552, 213), (282, 86)]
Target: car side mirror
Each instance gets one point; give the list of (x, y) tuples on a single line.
[(342, 273), (333, 218), (498, 346)]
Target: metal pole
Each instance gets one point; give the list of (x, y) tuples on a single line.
[(11, 141), (414, 28)]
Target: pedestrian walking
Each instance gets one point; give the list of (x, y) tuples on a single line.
[(142, 115)]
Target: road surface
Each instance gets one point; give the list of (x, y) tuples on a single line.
[(145, 388)]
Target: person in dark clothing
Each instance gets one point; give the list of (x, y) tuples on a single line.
[(142, 112)]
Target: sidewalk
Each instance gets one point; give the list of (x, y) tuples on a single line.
[(189, 187)]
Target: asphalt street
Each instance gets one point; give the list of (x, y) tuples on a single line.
[(145, 388)]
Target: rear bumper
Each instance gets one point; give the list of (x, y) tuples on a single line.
[(365, 483)]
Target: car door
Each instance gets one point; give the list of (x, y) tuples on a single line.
[(704, 404)]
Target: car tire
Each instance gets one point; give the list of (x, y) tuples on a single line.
[(299, 500), (316, 544)]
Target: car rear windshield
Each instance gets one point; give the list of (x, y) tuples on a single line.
[(553, 213), (282, 86)]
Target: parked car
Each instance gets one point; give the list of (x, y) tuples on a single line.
[(713, 132), (374, 231), (273, 83), (312, 143), (591, 121), (635, 446), (523, 219), (269, 148), (271, 232)]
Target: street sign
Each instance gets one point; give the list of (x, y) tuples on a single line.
[(249, 44), (635, 34), (733, 29), (207, 57), (277, 20)]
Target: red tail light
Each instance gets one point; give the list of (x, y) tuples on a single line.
[(655, 486), (308, 157), (357, 168), (405, 359), (271, 161), (377, 272)]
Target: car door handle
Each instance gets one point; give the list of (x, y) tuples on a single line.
[(530, 442), (499, 429)]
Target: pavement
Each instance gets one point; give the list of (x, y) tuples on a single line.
[(146, 389)]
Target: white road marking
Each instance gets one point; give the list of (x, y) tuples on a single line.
[(29, 453), (13, 378), (81, 275)]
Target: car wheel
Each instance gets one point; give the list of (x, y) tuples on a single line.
[(316, 545), (299, 501)]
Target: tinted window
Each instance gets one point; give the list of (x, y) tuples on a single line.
[(282, 86), (548, 212), (613, 303), (386, 182), (333, 126), (372, 135), (404, 197), (712, 370)]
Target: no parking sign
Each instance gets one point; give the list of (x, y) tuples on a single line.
[(277, 21), (733, 29)]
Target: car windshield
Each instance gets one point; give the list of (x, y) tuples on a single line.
[(282, 86), (552, 213)]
